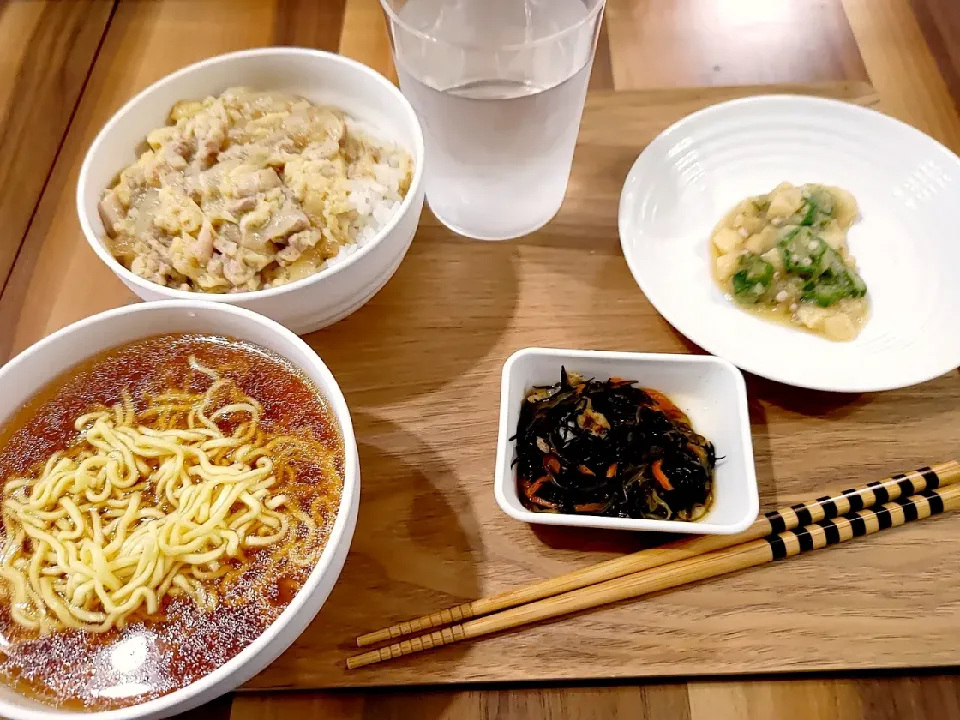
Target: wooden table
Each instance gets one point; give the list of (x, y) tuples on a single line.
[(68, 66)]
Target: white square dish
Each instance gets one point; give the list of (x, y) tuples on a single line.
[(710, 390)]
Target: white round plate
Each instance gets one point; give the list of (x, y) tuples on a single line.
[(906, 242)]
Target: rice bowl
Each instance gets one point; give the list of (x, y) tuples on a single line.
[(343, 282)]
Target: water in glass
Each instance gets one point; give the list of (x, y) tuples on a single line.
[(499, 88)]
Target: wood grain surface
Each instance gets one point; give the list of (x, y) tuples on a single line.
[(932, 697), (46, 51), (940, 22), (737, 42), (896, 55), (421, 377)]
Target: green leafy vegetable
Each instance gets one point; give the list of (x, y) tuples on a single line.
[(834, 283), (802, 252), (817, 209), (828, 279), (752, 279)]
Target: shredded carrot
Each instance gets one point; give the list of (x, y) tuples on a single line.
[(612, 471), (585, 470), (552, 464), (591, 507), (537, 500), (530, 488), (666, 406), (660, 477)]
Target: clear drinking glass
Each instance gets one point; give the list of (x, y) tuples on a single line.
[(499, 87)]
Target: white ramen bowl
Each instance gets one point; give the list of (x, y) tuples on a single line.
[(710, 390), (35, 367), (321, 77)]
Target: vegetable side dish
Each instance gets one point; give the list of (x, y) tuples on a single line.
[(785, 255), (251, 190), (610, 448)]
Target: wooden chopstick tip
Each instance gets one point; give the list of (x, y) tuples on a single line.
[(367, 658), (373, 638)]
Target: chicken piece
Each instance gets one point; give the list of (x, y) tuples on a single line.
[(297, 244), (241, 206), (289, 219), (245, 181), (268, 204), (237, 272), (227, 241), (201, 248)]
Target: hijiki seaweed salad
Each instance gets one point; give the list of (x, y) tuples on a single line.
[(610, 448)]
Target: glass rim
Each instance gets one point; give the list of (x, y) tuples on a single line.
[(394, 17)]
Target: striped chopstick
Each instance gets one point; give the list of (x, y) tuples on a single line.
[(786, 518), (778, 546)]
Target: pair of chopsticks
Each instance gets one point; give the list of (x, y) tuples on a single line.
[(779, 534)]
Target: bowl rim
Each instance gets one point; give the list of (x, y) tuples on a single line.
[(103, 138), (351, 482), (504, 477)]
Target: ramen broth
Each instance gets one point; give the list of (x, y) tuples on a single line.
[(155, 655)]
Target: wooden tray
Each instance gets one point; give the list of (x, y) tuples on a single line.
[(420, 368)]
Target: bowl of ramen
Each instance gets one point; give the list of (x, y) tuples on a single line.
[(284, 180), (179, 486)]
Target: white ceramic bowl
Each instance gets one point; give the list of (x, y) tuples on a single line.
[(906, 184), (38, 365), (709, 390), (321, 77)]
